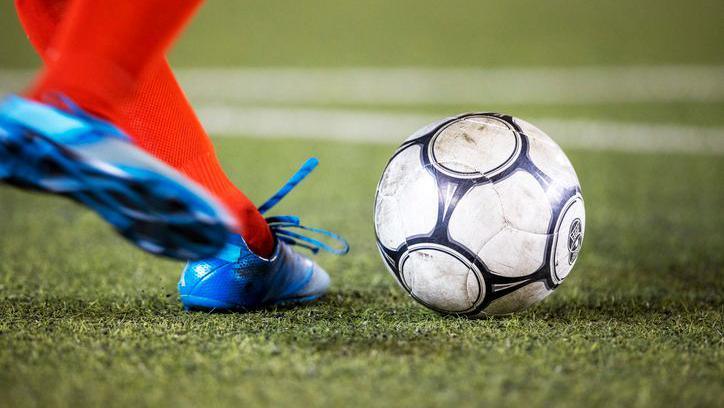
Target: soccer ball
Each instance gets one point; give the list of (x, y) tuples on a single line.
[(479, 214)]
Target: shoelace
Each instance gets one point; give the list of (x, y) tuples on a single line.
[(283, 226)]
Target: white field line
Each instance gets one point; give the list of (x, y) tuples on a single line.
[(375, 86), (427, 86), (392, 128), (212, 90)]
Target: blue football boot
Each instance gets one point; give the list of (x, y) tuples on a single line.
[(236, 279), (73, 154)]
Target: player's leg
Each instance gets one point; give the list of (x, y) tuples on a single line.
[(97, 56), (161, 121), (168, 128), (103, 48), (236, 278)]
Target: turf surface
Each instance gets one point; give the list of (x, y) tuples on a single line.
[(88, 319)]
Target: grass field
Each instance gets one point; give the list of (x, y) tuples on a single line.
[(87, 320)]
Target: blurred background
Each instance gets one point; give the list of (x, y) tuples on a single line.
[(376, 70), (633, 90)]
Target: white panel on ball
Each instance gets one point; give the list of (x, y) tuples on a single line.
[(525, 204), (477, 217), (418, 203), (519, 299), (548, 156), (514, 253), (388, 222), (441, 279), (400, 170), (475, 146), (407, 186)]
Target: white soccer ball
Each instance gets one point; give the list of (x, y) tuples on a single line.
[(479, 214)]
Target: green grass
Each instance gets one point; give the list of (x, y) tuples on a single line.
[(87, 319)]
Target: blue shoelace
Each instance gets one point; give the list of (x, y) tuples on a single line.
[(283, 226)]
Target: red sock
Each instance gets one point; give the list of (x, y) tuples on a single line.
[(147, 102), (102, 48)]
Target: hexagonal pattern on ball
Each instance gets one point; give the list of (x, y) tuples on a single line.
[(496, 219)]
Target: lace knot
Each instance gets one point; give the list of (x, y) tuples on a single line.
[(288, 228)]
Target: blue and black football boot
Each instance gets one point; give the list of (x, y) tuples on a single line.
[(74, 154), (236, 279)]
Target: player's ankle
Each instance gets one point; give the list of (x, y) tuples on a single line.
[(258, 237)]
